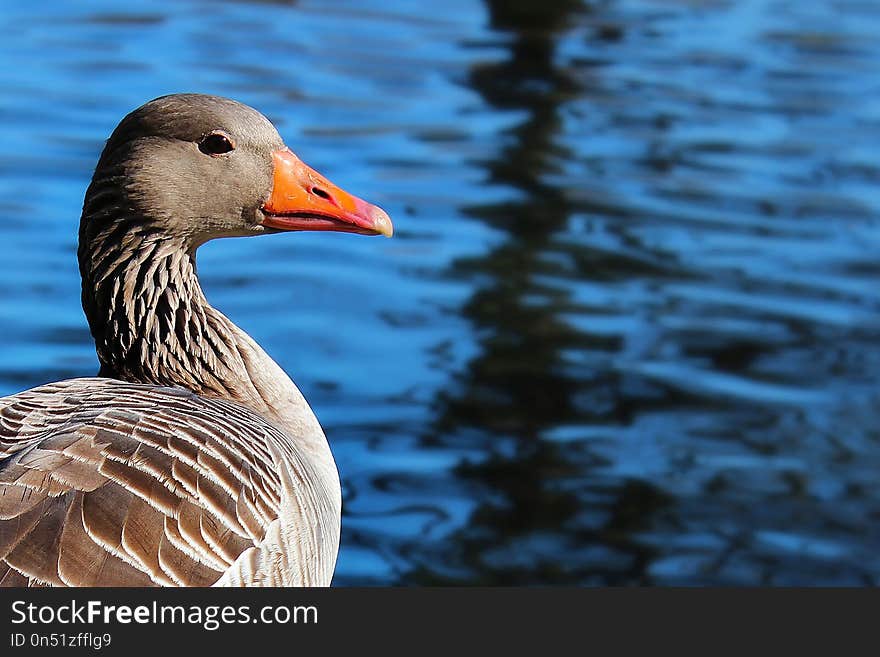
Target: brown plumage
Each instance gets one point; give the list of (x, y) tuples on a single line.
[(192, 459)]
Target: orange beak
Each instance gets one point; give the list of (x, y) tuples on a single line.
[(303, 199)]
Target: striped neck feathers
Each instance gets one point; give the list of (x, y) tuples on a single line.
[(152, 323)]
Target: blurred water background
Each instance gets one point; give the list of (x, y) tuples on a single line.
[(627, 331)]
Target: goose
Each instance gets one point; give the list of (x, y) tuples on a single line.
[(191, 459)]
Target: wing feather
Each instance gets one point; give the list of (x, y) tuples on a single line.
[(106, 483)]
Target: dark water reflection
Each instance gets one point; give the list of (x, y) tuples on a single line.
[(627, 332)]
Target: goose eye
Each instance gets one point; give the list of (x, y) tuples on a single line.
[(216, 143)]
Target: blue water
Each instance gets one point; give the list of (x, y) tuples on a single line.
[(627, 329)]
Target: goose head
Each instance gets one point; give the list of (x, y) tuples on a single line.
[(198, 167)]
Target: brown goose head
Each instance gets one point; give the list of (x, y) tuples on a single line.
[(199, 167)]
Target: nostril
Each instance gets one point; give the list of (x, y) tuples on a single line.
[(317, 191)]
